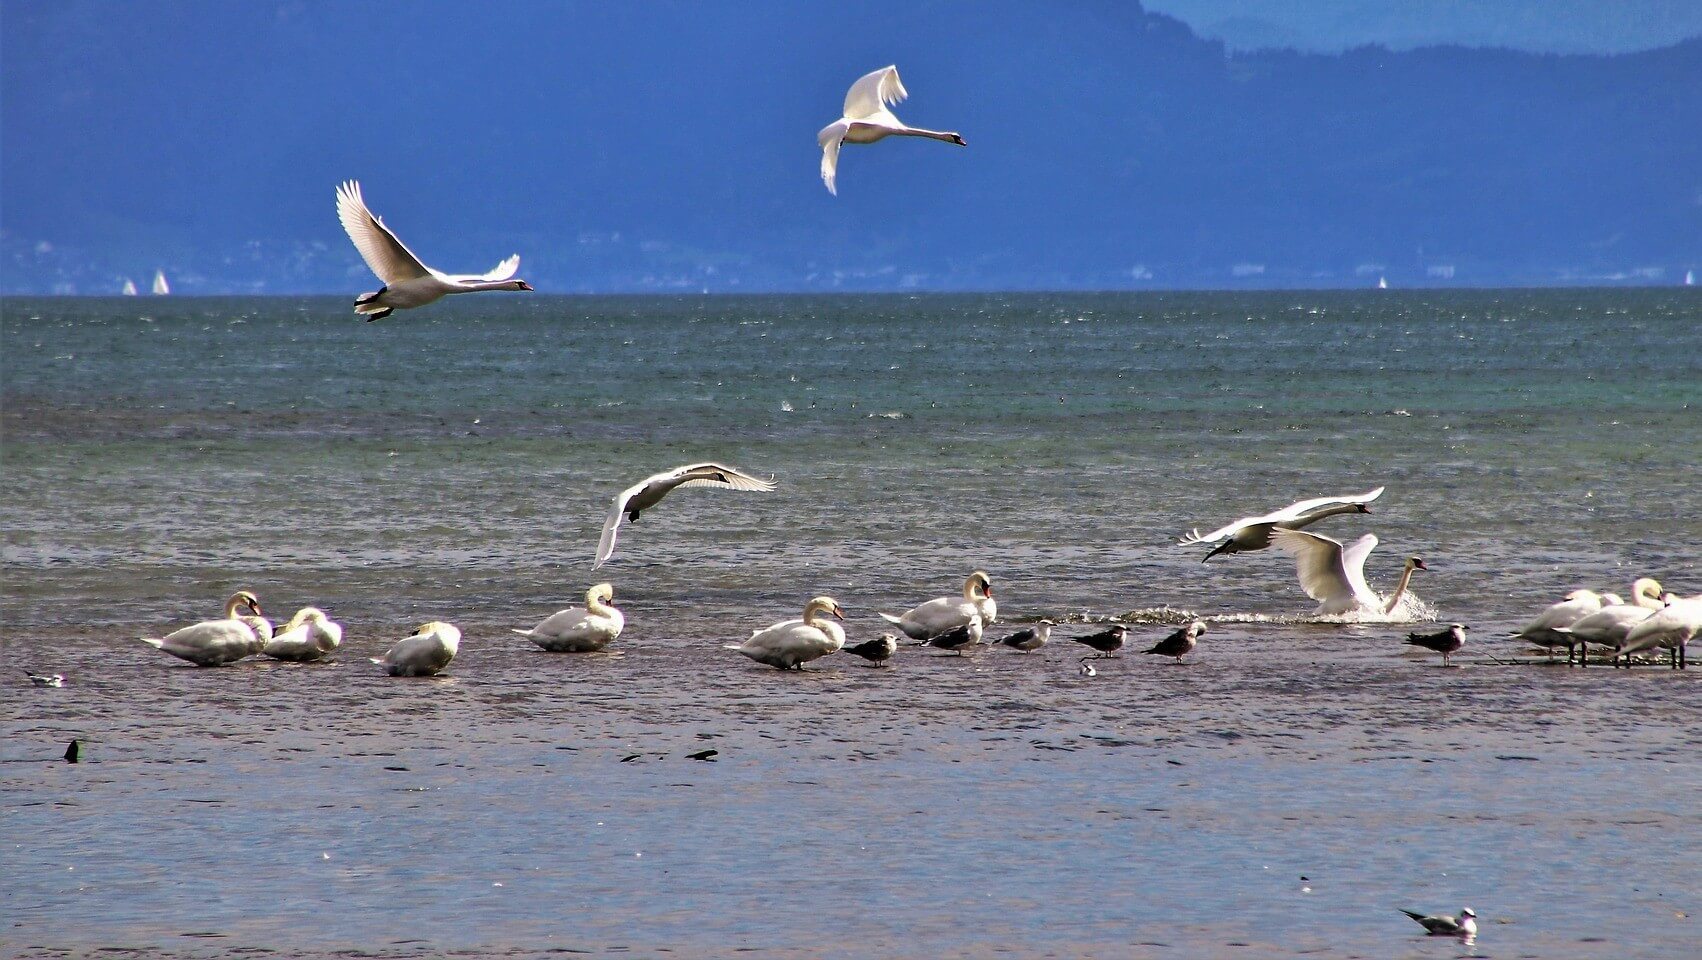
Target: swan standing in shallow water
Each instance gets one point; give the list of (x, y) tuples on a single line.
[(309, 635), (1334, 575), (584, 629), (948, 613), (867, 120), (214, 643), (790, 644), (1254, 533), (407, 282), (1672, 627), (650, 491), (1547, 629), (423, 654)]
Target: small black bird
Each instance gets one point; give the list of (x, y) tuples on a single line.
[(632, 757), (1445, 643), (1181, 643), (1107, 642), (876, 651), (958, 638), (1031, 639), (74, 752), (708, 755)]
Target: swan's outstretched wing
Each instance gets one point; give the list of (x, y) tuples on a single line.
[(501, 271), (1318, 560), (873, 93), (718, 475), (386, 255), (1293, 511), (611, 526), (1353, 565), (830, 138)]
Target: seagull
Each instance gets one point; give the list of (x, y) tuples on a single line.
[(1254, 533), (707, 756), (424, 653), (867, 120), (1107, 642), (1181, 643), (1334, 575), (958, 638), (45, 679), (1087, 668), (1447, 642), (876, 651), (1031, 639), (646, 494), (407, 281), (1442, 925)]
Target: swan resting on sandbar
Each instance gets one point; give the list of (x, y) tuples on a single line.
[(584, 629), (424, 653), (214, 643), (929, 620), (790, 644)]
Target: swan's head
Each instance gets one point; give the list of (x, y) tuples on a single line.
[(823, 605), (445, 631), (957, 138), (522, 285), (1610, 600), (305, 615), (601, 593), (978, 585), (1647, 587), (1416, 563), (1362, 508), (244, 599), (1584, 595)]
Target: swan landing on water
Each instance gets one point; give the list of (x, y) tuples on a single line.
[(1334, 575)]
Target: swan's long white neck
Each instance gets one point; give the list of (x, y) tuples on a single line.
[(946, 135), (232, 605), (594, 604), (810, 611), (1312, 518), (1400, 589), (487, 285), (973, 589)]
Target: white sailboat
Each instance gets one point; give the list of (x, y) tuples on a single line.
[(129, 287), (161, 288), (1382, 283)]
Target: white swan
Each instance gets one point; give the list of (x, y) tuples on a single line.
[(1606, 627), (407, 281), (867, 120), (1545, 629), (647, 493), (1254, 533), (1334, 575), (790, 644), (584, 629), (309, 635), (214, 643), (1646, 592), (424, 653), (1672, 627), (946, 613)]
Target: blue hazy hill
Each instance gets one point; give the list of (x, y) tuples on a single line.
[(671, 146)]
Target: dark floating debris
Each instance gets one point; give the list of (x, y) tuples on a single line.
[(74, 752), (708, 755)]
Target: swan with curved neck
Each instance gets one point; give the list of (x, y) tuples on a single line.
[(584, 629), (214, 643), (941, 614), (867, 120), (1334, 575), (1646, 592), (309, 636), (790, 644)]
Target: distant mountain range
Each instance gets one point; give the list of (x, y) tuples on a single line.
[(620, 149)]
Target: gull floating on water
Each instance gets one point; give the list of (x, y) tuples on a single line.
[(584, 629), (1442, 925), (45, 679), (1032, 638), (958, 638), (424, 653), (1107, 642), (1181, 643), (214, 643), (1334, 575), (946, 613), (650, 491), (790, 644), (1086, 669), (876, 651), (309, 635), (407, 282), (867, 120), (1447, 642), (1254, 533)]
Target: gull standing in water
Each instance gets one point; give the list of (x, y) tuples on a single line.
[(867, 120), (877, 651), (1254, 533), (1086, 669), (1031, 639), (650, 491), (424, 653), (1107, 642), (946, 613), (1334, 575), (1447, 642), (214, 643), (1181, 643), (584, 629), (958, 638), (790, 644), (1442, 925), (407, 282)]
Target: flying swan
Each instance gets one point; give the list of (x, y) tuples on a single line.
[(646, 494), (1334, 575), (1254, 533), (407, 281), (867, 120)]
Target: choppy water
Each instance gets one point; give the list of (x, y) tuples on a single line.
[(457, 464)]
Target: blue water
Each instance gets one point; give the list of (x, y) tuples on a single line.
[(456, 463)]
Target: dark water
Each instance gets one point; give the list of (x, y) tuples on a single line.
[(159, 453)]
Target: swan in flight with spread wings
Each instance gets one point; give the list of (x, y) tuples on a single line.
[(1254, 533), (649, 492), (867, 120), (1334, 575), (407, 281)]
